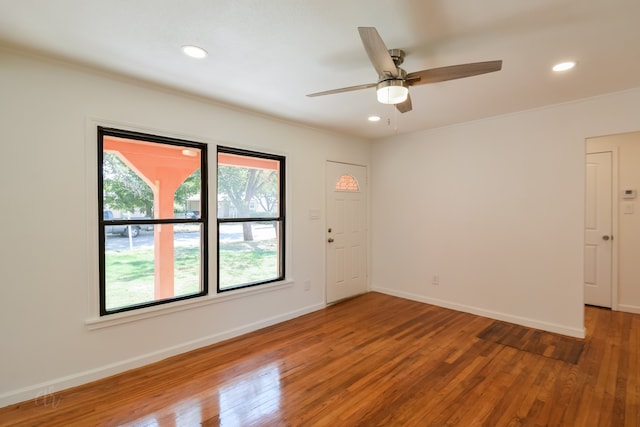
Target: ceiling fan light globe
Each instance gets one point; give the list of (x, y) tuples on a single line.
[(392, 92)]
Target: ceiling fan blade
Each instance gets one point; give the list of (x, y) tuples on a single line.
[(452, 72), (377, 51), (405, 107), (344, 89)]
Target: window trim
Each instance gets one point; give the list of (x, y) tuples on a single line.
[(177, 306), (202, 220), (281, 218)]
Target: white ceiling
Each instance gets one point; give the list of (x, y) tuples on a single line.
[(266, 56)]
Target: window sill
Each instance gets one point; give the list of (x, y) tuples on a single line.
[(161, 310)]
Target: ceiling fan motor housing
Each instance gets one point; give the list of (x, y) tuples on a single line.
[(397, 55)]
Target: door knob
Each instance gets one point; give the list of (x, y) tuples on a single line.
[(330, 240), (605, 237)]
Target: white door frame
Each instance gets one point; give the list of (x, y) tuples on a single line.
[(615, 197)]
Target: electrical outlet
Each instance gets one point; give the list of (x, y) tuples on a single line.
[(307, 285), (435, 280)]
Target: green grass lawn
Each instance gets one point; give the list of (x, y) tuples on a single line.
[(130, 272), (246, 262)]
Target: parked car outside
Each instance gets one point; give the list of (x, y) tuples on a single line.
[(123, 230)]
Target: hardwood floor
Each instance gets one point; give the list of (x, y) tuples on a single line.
[(374, 360)]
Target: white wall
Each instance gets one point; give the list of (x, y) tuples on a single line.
[(48, 112), (627, 236), (495, 208)]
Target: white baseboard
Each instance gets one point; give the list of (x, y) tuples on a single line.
[(629, 308), (524, 321), (46, 390)]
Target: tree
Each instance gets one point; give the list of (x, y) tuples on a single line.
[(268, 199), (123, 189), (242, 185), (190, 187)]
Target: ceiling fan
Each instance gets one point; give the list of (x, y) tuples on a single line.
[(393, 82)]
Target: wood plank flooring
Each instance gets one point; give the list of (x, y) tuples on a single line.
[(374, 360)]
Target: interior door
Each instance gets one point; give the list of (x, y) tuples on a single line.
[(346, 233), (598, 237)]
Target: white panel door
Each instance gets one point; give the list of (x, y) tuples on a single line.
[(346, 234), (598, 238)]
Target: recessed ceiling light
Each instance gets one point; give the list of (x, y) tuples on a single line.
[(564, 66), (374, 118), (194, 51)]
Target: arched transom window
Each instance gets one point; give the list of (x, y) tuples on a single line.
[(347, 183)]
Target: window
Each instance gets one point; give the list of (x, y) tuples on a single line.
[(153, 220), (347, 183), (251, 218)]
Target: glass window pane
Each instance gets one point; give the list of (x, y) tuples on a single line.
[(347, 183), (124, 191), (135, 172), (188, 259), (249, 253), (248, 187), (186, 202), (131, 263)]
